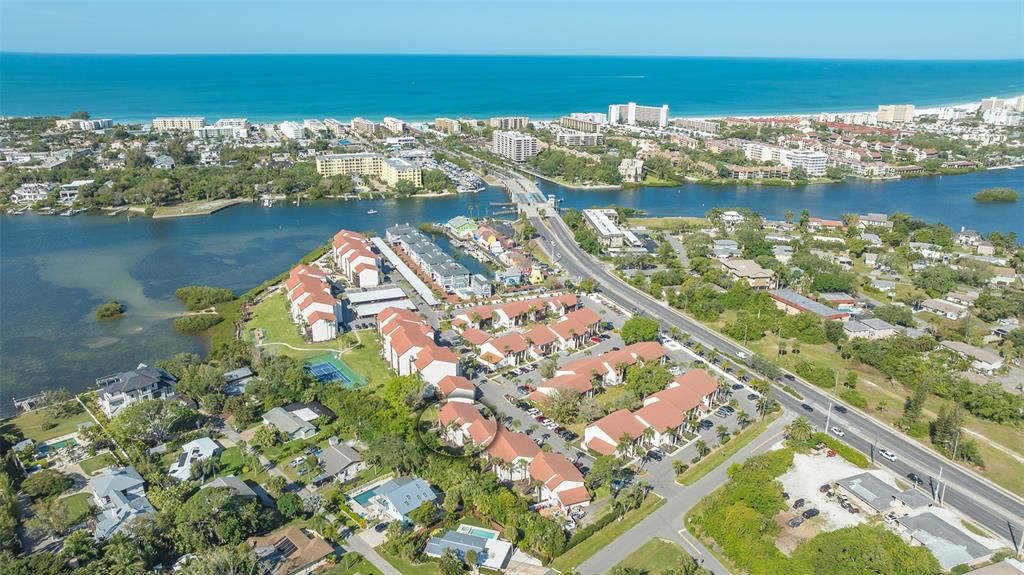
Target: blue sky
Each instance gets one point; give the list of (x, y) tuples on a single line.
[(899, 29)]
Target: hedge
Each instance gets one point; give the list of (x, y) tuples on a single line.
[(845, 451)]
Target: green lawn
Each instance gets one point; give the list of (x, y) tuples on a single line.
[(583, 551), (667, 223), (406, 568), (231, 464), (30, 424), (272, 317), (93, 464), (77, 507), (719, 455), (366, 360), (352, 564), (655, 557)]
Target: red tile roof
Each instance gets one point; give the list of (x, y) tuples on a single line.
[(511, 445)]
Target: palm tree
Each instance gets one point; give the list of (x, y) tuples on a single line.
[(722, 432), (800, 430), (626, 444), (743, 418), (766, 404), (702, 447), (648, 435)]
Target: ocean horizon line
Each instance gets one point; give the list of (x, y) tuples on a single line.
[(508, 55)]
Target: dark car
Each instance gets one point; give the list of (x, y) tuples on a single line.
[(752, 396), (795, 522), (806, 407), (654, 454), (706, 424), (798, 503), (915, 478), (381, 527), (737, 386), (811, 513), (839, 408), (789, 376), (744, 378)]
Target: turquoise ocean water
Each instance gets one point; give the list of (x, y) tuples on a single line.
[(269, 87)]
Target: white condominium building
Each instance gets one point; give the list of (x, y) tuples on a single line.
[(895, 113), (632, 114), (1001, 117), (363, 126), (595, 117), (515, 146), (509, 122), (85, 125), (314, 125), (697, 125), (291, 130), (950, 114), (578, 124), (575, 138), (389, 170), (991, 103), (394, 125), (814, 163), (179, 123)]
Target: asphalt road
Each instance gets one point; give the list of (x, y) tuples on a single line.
[(975, 497)]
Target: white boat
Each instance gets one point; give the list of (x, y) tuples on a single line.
[(371, 212)]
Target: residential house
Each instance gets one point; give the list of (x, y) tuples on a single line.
[(233, 483), (1003, 275), (399, 496), (191, 453), (878, 221), (463, 424), (793, 303), (751, 272), (123, 389), (968, 237), (291, 551), (120, 495), (981, 359), (492, 554), (946, 309), (456, 388), (872, 328), (340, 461), (928, 251), (295, 420), (819, 224)]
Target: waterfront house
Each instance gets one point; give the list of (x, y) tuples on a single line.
[(120, 390), (120, 495), (968, 237), (353, 255)]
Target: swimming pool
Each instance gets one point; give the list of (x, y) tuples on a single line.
[(478, 531), (364, 497), (44, 448)]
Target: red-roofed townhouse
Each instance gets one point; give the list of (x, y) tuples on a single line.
[(435, 363), (456, 388), (580, 382), (311, 304), (616, 433), (610, 367), (463, 424), (561, 483), (355, 258), (507, 350), (510, 454), (692, 394)]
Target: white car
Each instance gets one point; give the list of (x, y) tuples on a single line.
[(741, 354), (838, 432), (887, 454)]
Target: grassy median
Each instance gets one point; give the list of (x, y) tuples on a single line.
[(721, 454)]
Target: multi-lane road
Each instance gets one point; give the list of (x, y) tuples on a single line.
[(975, 497)]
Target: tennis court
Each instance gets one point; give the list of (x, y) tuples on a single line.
[(329, 368)]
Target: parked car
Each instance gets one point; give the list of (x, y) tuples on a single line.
[(706, 424), (825, 488), (737, 386), (381, 527), (654, 454), (811, 513), (795, 522), (798, 503), (744, 378), (595, 339), (915, 478), (887, 454), (838, 432), (752, 396), (728, 409)]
